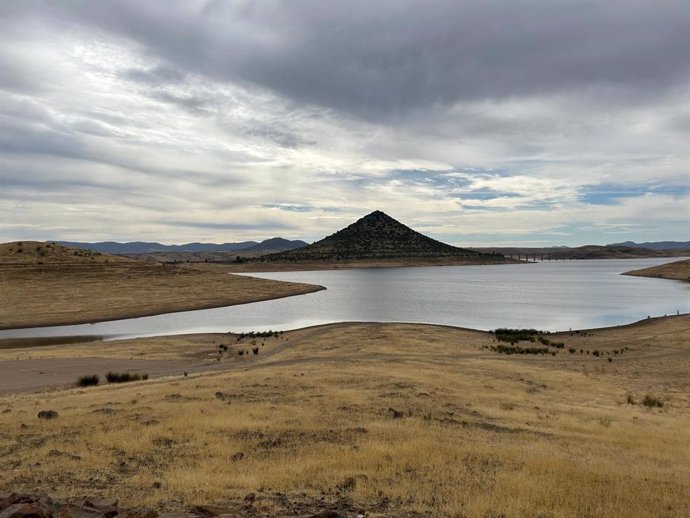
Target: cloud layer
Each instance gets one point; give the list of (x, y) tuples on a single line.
[(476, 122)]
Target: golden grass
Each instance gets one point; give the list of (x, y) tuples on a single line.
[(480, 435), (678, 270), (54, 294)]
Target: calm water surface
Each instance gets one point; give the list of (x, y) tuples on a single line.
[(550, 296)]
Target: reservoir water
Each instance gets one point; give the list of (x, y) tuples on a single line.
[(548, 296)]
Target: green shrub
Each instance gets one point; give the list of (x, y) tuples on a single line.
[(515, 335), (124, 377), (88, 381)]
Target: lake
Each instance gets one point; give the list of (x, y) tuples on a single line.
[(557, 295)]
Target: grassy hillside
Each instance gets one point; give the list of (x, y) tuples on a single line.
[(37, 252), (396, 420), (47, 284), (679, 270)]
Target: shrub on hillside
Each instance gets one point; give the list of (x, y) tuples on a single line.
[(88, 381), (124, 377)]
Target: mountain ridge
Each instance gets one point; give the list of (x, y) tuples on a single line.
[(144, 247), (655, 245)]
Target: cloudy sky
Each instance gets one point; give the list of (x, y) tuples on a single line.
[(477, 121)]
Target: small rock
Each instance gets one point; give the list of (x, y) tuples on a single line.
[(47, 414), (96, 503), (25, 511), (79, 511), (138, 512), (208, 510)]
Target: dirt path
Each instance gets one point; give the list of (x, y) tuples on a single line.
[(41, 374)]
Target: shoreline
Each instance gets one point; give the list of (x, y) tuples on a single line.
[(674, 271), (72, 340), (132, 314), (259, 267)]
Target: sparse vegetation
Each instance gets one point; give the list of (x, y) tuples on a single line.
[(124, 377), (652, 401), (270, 430), (259, 334), (88, 381), (516, 349), (515, 335)]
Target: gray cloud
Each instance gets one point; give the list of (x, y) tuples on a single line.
[(495, 116), (389, 58)]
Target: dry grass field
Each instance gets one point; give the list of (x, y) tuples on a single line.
[(392, 419), (48, 284), (678, 270)]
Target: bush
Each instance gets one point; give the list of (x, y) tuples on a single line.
[(652, 402), (124, 377), (515, 335), (507, 349), (88, 381), (255, 350)]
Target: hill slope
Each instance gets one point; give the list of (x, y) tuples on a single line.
[(679, 270), (275, 244), (376, 236), (37, 252), (656, 245)]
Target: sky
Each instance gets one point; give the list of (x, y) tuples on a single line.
[(477, 122)]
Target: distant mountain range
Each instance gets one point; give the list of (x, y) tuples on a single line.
[(141, 247), (587, 252), (657, 245), (376, 236)]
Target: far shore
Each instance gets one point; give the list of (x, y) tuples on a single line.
[(258, 266), (678, 270)]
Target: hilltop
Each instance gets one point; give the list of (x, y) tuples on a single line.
[(38, 253), (137, 248), (377, 237)]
